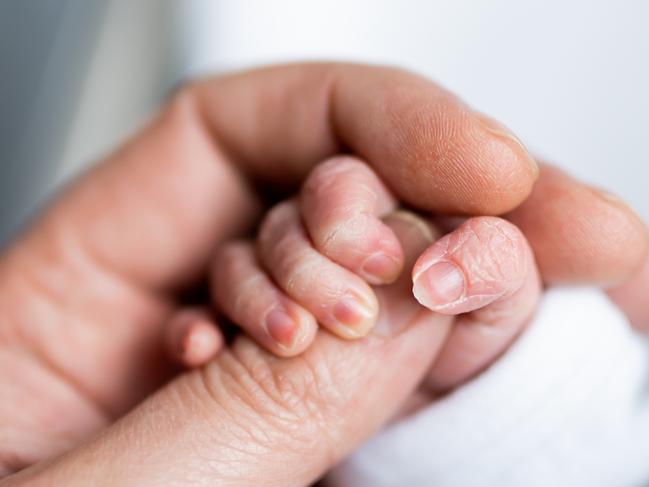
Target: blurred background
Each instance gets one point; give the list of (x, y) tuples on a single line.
[(77, 77)]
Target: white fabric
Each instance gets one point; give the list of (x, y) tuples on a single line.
[(568, 405)]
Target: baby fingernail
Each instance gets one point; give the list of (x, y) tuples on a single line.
[(379, 268), (354, 316), (439, 285), (281, 327)]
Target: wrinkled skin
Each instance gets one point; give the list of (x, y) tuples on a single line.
[(84, 291)]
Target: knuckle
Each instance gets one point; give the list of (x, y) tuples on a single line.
[(326, 178)]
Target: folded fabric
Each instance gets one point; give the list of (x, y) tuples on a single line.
[(567, 405)]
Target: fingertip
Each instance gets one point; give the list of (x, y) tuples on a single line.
[(382, 267), (508, 171), (281, 327), (192, 339), (631, 238), (505, 136), (354, 316), (291, 328), (580, 234), (447, 158), (503, 290), (485, 259), (200, 344)]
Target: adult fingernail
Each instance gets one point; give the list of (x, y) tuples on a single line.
[(618, 202), (439, 285), (501, 131), (281, 327), (355, 317), (379, 268)]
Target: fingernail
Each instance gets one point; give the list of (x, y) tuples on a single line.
[(439, 285), (416, 222), (613, 198), (281, 327), (500, 130), (354, 316), (379, 268), (616, 200)]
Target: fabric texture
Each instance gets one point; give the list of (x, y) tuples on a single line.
[(567, 405)]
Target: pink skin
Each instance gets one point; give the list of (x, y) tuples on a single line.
[(132, 233), (631, 297), (340, 301), (483, 271), (245, 293), (192, 338), (342, 201)]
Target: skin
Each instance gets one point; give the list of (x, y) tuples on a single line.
[(305, 250), (105, 265), (191, 337)]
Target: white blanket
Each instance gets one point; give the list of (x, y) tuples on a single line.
[(568, 405)]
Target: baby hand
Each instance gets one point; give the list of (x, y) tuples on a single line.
[(316, 256)]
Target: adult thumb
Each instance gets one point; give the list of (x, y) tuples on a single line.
[(249, 417)]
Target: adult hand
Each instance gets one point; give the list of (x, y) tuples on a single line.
[(583, 235), (84, 292)]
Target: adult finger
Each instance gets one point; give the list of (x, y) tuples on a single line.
[(431, 149), (249, 417), (174, 186), (486, 270), (580, 234), (631, 297), (143, 224)]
